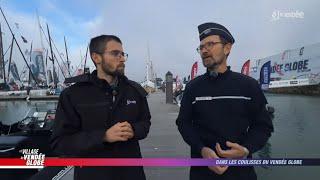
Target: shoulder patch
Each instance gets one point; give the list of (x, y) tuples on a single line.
[(138, 87)]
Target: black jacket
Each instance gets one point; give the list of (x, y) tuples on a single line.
[(229, 107), (86, 110)]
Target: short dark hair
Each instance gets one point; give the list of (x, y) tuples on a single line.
[(98, 43)]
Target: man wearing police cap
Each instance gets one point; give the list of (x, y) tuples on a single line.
[(222, 113)]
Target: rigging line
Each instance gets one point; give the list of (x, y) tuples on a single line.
[(55, 48), (7, 50)]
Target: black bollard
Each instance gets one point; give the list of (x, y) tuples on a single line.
[(169, 88)]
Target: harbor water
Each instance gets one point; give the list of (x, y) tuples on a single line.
[(296, 121)]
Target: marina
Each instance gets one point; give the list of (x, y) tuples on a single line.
[(25, 97), (294, 137), (47, 46)]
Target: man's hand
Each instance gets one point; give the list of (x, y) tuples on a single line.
[(127, 127), (119, 132), (236, 151), (210, 154)]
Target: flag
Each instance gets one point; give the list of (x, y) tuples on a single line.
[(24, 39), (178, 81), (245, 68), (265, 75), (194, 70)]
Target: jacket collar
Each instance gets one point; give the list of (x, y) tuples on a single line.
[(213, 75), (101, 83)]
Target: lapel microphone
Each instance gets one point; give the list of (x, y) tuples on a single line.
[(115, 87), (114, 92), (213, 75)]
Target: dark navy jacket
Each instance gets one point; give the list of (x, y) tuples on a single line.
[(90, 107), (229, 107)]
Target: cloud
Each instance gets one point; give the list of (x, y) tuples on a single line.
[(170, 29)]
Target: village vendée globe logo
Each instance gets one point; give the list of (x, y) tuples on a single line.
[(32, 157)]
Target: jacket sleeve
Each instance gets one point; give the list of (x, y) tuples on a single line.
[(184, 122), (67, 137), (142, 126), (261, 126)]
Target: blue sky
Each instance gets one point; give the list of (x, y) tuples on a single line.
[(169, 27)]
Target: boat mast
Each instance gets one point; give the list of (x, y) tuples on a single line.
[(52, 58), (47, 74), (24, 58), (10, 57), (68, 62), (41, 40), (56, 51), (29, 80), (148, 61), (42, 48), (85, 60), (2, 58)]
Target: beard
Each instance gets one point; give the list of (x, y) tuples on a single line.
[(210, 62), (119, 71)]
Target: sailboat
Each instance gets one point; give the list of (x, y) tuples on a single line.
[(149, 83), (39, 78)]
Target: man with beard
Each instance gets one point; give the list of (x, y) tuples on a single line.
[(222, 113), (102, 115)]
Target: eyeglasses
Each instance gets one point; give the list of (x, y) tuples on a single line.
[(117, 54), (207, 45)]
